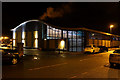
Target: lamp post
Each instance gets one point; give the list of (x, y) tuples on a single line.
[(111, 26)]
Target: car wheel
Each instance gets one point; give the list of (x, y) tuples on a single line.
[(14, 61), (111, 65)]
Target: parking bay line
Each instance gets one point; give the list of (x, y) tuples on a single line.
[(83, 59), (48, 66), (77, 75)]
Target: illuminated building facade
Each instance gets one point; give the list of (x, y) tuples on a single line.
[(38, 34)]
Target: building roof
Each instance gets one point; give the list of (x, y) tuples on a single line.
[(82, 28)]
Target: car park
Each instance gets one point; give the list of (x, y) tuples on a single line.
[(91, 49), (11, 56), (114, 58)]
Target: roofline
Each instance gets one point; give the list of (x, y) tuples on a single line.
[(24, 23), (82, 28)]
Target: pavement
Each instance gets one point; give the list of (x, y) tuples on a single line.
[(45, 65)]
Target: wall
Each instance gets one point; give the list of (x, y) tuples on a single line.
[(106, 43), (53, 44)]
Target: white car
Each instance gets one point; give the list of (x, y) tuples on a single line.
[(114, 58), (92, 49)]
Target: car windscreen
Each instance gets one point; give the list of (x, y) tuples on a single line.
[(116, 51)]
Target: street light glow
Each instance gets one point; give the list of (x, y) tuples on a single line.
[(111, 26)]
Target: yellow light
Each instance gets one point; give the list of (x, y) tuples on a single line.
[(23, 41), (93, 34), (36, 39), (1, 37), (14, 35), (111, 26), (35, 57), (36, 43), (107, 33), (36, 34), (6, 37), (23, 35), (14, 42), (62, 44)]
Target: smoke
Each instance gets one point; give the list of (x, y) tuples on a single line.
[(56, 12)]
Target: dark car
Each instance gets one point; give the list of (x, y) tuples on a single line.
[(114, 58), (9, 55), (103, 48)]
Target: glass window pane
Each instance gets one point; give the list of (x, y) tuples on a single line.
[(64, 34), (69, 34), (79, 34), (70, 49), (57, 33), (79, 49), (74, 42), (47, 30), (54, 33), (70, 42), (51, 32), (60, 34), (74, 48), (74, 34), (79, 42)]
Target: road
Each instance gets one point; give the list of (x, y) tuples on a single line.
[(38, 64)]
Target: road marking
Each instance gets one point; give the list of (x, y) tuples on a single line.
[(85, 73), (73, 77), (83, 59), (48, 66), (107, 65), (81, 73)]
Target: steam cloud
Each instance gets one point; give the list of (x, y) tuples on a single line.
[(55, 13)]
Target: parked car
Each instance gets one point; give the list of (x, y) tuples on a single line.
[(114, 58), (92, 49), (4, 46), (103, 48), (10, 55)]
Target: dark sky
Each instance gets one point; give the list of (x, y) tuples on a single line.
[(97, 16)]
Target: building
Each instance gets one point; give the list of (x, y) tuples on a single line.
[(38, 34)]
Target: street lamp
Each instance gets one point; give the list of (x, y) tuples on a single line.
[(111, 26)]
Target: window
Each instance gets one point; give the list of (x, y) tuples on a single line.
[(64, 34), (60, 34), (53, 33), (69, 34)]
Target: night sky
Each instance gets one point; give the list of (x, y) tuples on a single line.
[(97, 16)]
